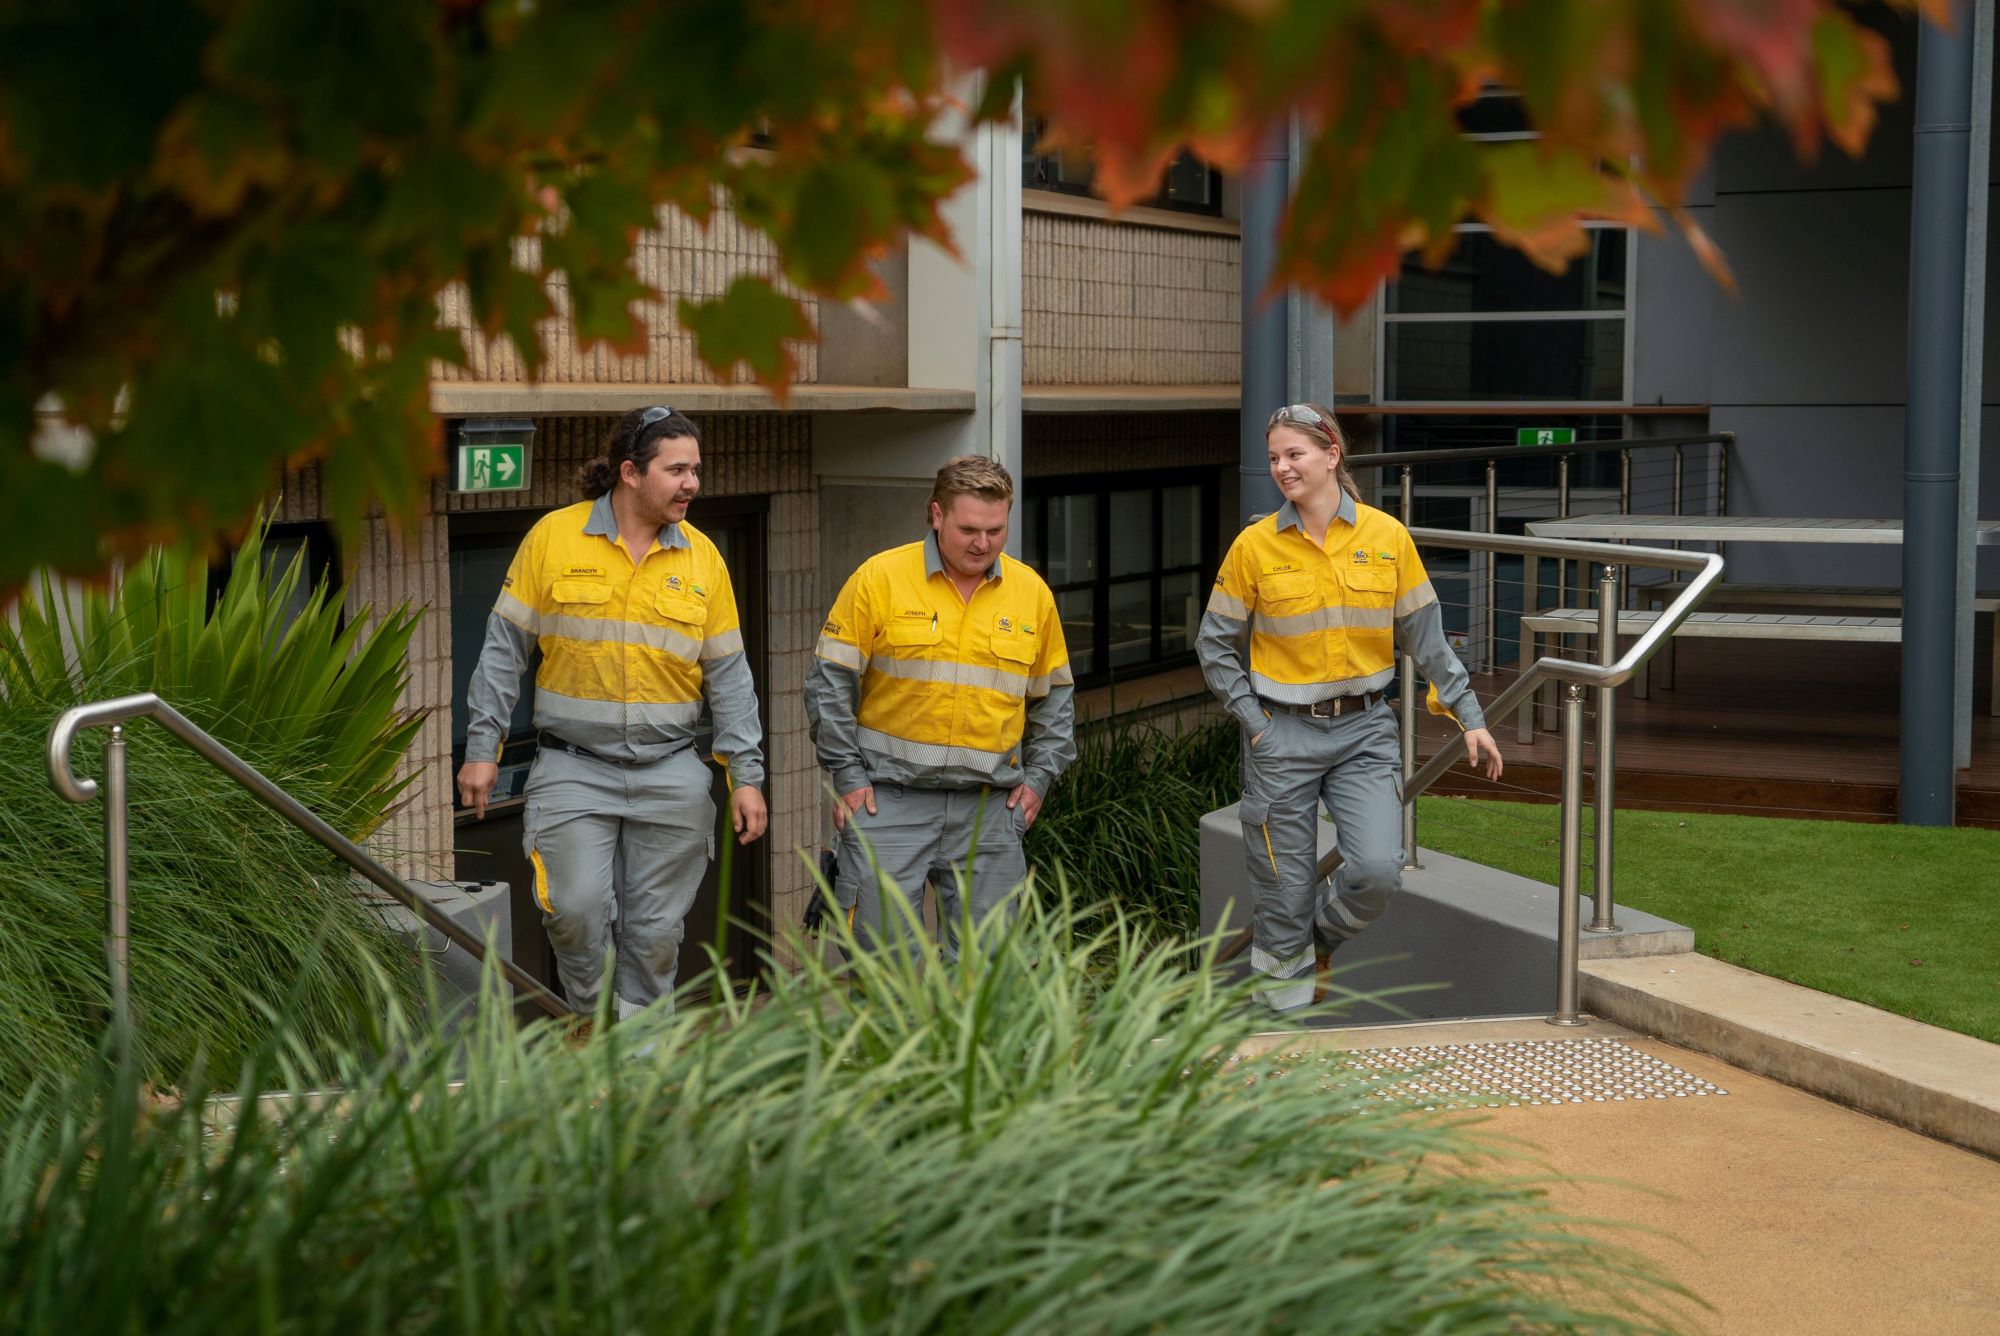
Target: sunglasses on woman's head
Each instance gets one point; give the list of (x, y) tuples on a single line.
[(1300, 415)]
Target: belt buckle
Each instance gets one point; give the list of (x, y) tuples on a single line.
[(1324, 709)]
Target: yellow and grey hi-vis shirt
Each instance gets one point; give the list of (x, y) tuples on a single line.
[(1326, 621), (910, 684), (628, 649)]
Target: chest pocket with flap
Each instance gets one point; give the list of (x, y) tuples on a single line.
[(1372, 584), (585, 595), (1287, 592), (1013, 647), (683, 608), (912, 632)]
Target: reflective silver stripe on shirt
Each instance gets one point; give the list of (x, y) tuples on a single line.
[(725, 642), (847, 656), (1227, 605), (932, 756), (951, 674), (551, 705), (1417, 597), (1340, 617), (1061, 677), (614, 631), (517, 612), (1308, 693)]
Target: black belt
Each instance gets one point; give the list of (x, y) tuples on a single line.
[(1328, 709), (563, 744)]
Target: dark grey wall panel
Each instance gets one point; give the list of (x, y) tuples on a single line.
[(1824, 307), (1815, 461), (1675, 303)]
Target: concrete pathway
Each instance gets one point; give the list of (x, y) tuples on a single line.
[(1783, 1211)]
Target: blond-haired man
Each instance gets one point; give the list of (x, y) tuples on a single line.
[(941, 703)]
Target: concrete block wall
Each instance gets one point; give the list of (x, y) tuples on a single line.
[(681, 258), (1106, 303)]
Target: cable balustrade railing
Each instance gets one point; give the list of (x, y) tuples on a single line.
[(114, 714)]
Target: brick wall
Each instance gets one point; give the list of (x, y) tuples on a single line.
[(1058, 444), (1127, 304), (681, 259)]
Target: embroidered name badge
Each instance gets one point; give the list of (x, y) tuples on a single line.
[(1278, 568), (583, 570)]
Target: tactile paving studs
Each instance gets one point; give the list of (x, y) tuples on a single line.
[(1510, 1073)]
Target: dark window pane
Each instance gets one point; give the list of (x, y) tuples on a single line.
[(1181, 526), (1494, 114), (1131, 532), (1181, 600), (1189, 181), (1031, 533), (477, 567), (1074, 609), (1483, 274), (1131, 623), (1524, 360), (1072, 539)]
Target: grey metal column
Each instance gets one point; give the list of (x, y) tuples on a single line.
[(1266, 320), (1930, 437), (1409, 707), (117, 881), (1972, 396), (1607, 749), (1492, 566), (1570, 865)]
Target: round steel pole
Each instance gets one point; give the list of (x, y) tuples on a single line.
[(1567, 877), (117, 880), (1492, 562), (1607, 748), (1409, 710)]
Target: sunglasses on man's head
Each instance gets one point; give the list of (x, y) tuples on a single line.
[(652, 415)]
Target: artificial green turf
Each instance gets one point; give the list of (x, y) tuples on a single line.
[(1899, 917)]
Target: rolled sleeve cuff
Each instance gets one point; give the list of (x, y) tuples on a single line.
[(849, 778), (481, 745)]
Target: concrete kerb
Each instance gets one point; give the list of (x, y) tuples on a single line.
[(1943, 1084)]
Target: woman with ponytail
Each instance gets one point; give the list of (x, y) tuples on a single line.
[(1311, 608)]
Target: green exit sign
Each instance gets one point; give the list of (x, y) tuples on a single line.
[(492, 466), (1545, 436)]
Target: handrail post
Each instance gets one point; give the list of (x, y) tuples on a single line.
[(1409, 710), (1607, 744), (1568, 913), (1492, 564), (1680, 468), (117, 881), (1562, 513)]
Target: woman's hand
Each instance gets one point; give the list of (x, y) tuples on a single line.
[(1479, 743)]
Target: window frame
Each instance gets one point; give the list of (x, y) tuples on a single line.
[(1100, 487), (1384, 319), (1032, 126)]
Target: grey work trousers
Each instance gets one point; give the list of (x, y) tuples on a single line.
[(918, 835), (619, 852), (1353, 764)]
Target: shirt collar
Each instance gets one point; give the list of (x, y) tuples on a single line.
[(1345, 512), (604, 524), (934, 559)]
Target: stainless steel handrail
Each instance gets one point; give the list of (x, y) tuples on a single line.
[(120, 710), (1579, 675)]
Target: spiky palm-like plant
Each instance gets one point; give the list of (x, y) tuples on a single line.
[(228, 902)]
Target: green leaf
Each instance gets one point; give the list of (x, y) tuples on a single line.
[(748, 324)]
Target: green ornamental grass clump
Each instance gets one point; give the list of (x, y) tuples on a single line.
[(1028, 1144), (228, 901), (1125, 818)]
